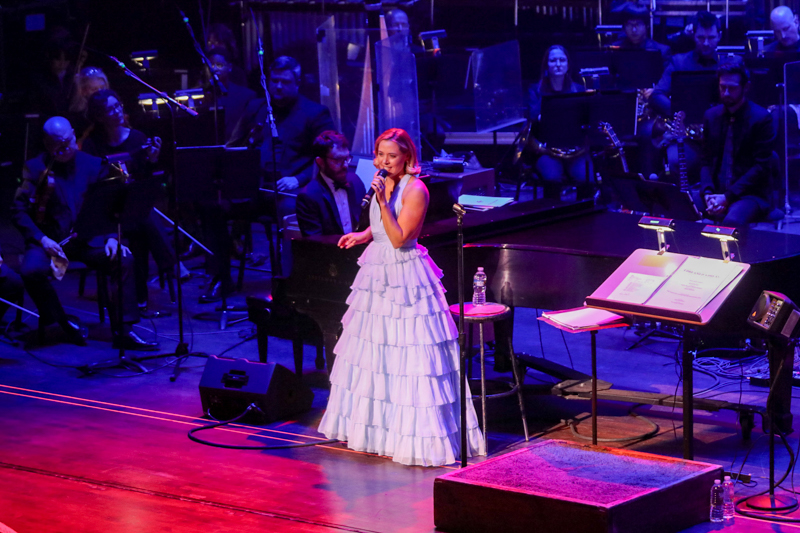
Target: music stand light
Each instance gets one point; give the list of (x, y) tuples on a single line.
[(724, 235), (143, 58), (662, 226)]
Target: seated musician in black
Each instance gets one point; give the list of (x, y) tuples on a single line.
[(737, 148), (45, 215), (298, 121), (707, 34), (634, 23), (236, 98), (11, 288), (331, 202), (555, 79), (784, 25), (111, 135)]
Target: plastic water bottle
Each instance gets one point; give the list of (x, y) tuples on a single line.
[(728, 508), (717, 502), (479, 288)]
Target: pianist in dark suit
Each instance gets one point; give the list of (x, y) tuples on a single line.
[(331, 202), (737, 151)]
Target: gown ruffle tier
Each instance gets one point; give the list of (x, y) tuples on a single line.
[(394, 384)]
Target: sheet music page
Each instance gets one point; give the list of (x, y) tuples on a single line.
[(636, 288), (694, 284), (583, 318)]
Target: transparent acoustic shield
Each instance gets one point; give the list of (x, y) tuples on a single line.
[(398, 100), (497, 81), (346, 87)]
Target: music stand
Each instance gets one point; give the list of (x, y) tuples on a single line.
[(655, 198), (223, 173), (766, 76), (665, 305), (110, 206), (637, 69), (694, 92)]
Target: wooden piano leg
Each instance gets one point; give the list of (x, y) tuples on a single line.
[(297, 347), (262, 338)]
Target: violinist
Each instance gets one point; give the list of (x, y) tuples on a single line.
[(112, 135), (45, 209)]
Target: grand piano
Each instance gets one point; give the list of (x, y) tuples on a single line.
[(542, 254)]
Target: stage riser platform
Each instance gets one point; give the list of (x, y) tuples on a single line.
[(556, 486)]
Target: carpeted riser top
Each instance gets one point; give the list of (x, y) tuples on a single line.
[(578, 473)]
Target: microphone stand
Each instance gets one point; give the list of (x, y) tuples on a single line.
[(217, 87), (275, 139), (462, 348), (182, 349)]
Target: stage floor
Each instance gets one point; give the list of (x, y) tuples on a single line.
[(109, 452)]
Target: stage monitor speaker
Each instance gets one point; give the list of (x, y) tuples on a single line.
[(228, 386)]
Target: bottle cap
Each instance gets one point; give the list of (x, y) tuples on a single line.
[(727, 478), (717, 482), (480, 269)]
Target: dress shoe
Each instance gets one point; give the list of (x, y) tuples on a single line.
[(131, 341), (214, 291), (74, 332)]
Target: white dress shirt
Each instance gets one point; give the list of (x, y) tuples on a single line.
[(340, 197)]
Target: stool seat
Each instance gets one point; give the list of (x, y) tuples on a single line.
[(490, 312)]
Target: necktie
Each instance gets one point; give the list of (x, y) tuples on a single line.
[(726, 168), (337, 185)]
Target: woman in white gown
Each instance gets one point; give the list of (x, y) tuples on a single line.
[(394, 384)]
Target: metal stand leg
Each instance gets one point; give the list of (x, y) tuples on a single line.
[(594, 387), (483, 389), (518, 380), (688, 396)]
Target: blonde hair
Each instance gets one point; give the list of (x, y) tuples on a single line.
[(407, 148)]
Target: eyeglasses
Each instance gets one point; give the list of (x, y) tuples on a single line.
[(113, 108), (341, 161)]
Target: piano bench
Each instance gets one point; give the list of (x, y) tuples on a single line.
[(279, 320)]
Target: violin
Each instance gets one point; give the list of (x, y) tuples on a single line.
[(45, 186)]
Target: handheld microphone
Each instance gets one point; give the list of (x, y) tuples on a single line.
[(371, 192)]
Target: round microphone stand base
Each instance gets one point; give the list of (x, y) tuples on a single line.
[(772, 502)]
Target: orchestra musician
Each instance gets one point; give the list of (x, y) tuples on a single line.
[(395, 380), (111, 135), (707, 34), (87, 82), (634, 23), (236, 98), (299, 121), (737, 153), (555, 79), (45, 212), (784, 25), (331, 202)]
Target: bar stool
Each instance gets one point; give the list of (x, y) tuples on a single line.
[(492, 312)]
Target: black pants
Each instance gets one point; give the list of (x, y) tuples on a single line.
[(36, 276), (149, 238), (11, 288)]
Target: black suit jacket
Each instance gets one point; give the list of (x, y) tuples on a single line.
[(298, 125), (753, 139), (71, 181), (316, 208)]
